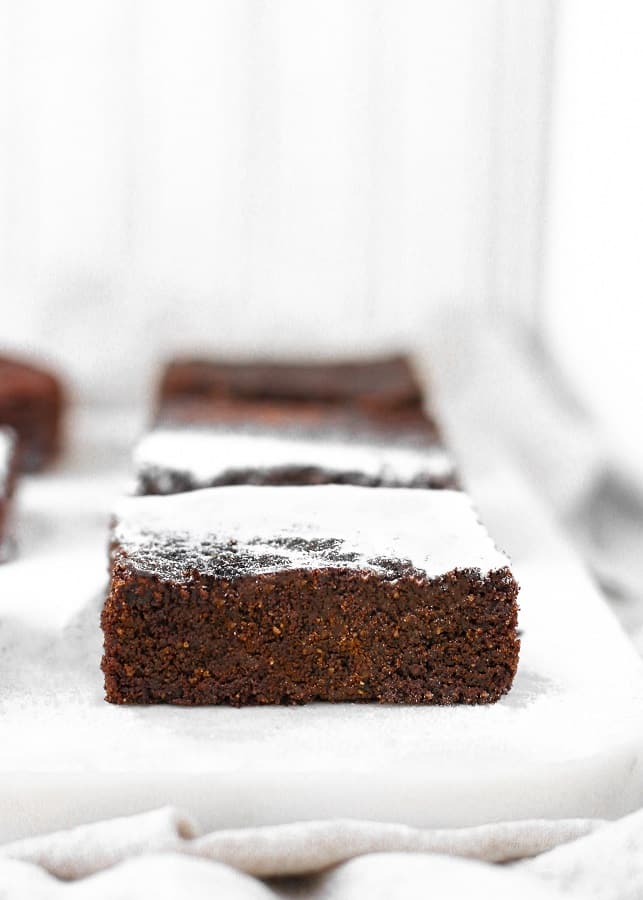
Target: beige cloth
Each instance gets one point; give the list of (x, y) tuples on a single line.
[(163, 850)]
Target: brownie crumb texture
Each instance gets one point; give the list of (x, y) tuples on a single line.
[(245, 595)]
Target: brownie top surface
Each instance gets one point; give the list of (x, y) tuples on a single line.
[(236, 531), (7, 450), (322, 381), (206, 453)]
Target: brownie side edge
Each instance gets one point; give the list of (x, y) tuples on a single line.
[(298, 636)]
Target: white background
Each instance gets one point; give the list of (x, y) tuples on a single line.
[(310, 175), (593, 297), (298, 175)]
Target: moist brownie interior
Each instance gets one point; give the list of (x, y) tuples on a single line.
[(246, 595)]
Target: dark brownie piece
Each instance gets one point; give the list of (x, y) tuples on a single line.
[(248, 595), (31, 402), (8, 466), (377, 386), (270, 448), (279, 413)]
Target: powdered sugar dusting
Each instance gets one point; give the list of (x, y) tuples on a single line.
[(209, 456), (247, 530)]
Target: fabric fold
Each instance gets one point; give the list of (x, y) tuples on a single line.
[(82, 851), (279, 851)]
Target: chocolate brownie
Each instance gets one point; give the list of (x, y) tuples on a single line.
[(8, 447), (376, 386), (261, 595), (31, 402), (289, 451), (278, 413)]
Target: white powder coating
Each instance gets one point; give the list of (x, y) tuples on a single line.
[(208, 456), (7, 449), (275, 528)]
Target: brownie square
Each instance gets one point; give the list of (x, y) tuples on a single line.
[(246, 444), (262, 595), (378, 386), (31, 402), (8, 467)]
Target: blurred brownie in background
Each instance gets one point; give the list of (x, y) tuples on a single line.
[(31, 402), (200, 443), (8, 460), (377, 387)]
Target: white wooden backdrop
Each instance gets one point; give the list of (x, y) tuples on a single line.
[(311, 174), (593, 285)]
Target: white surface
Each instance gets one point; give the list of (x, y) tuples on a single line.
[(436, 531), (564, 742), (210, 454)]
